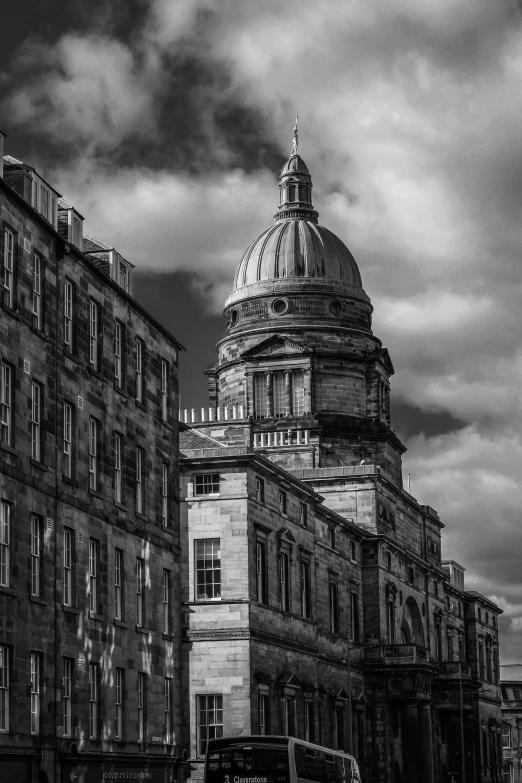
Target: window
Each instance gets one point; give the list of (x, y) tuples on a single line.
[(118, 482), (354, 616), (306, 608), (44, 201), (68, 315), (76, 231), (390, 618), (339, 727), (330, 536), (164, 389), (279, 395), (4, 688), (5, 534), (140, 592), (462, 649), (334, 607), (37, 291), (482, 668), (388, 561), (309, 723), (93, 334), (93, 700), (284, 582), (288, 707), (8, 268), (124, 277), (260, 397), (260, 490), (139, 481), (118, 353), (506, 735), (261, 573), (166, 601), (35, 554), (67, 696), (93, 454), (67, 566), (6, 401), (118, 584), (36, 434), (164, 494), (264, 714), (208, 569), (206, 484), (118, 698), (353, 552), (411, 575), (35, 693), (93, 575), (138, 368), (142, 706), (282, 502), (298, 397), (67, 439), (209, 719), (450, 646), (168, 711), (303, 514)]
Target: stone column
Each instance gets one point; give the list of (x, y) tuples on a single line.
[(426, 742), (411, 742), (269, 395), (288, 392)]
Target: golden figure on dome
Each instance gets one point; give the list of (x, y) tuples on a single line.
[(296, 138)]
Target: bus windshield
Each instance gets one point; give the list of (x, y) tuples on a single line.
[(248, 765)]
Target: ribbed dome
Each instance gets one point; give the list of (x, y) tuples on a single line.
[(295, 163), (296, 248)]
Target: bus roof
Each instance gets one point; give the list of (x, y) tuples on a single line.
[(268, 739)]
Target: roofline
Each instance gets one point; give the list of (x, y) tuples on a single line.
[(90, 264), (473, 594)]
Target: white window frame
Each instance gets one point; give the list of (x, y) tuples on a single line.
[(167, 711), (4, 689), (283, 502), (164, 494), (9, 267), (210, 707), (67, 439), (93, 454), (164, 389), (138, 368), (5, 543), (166, 601), (68, 314), (142, 695), (207, 580), (118, 343), (67, 696), (6, 400), (93, 334), (36, 543), (93, 575), (67, 566), (284, 581), (139, 479), (44, 208), (36, 432), (37, 290), (119, 688), (93, 700), (140, 592), (35, 693), (118, 584), (118, 478)]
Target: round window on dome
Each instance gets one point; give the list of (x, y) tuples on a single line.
[(280, 306), (335, 307)]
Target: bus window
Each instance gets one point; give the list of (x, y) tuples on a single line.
[(248, 765), (310, 764)]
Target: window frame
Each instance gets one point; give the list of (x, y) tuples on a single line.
[(167, 711), (284, 581), (69, 295), (93, 453), (5, 543), (355, 616), (67, 694), (333, 604), (303, 514), (119, 348), (213, 729), (166, 588), (93, 701), (164, 494), (36, 420), (35, 664), (306, 589), (118, 471), (260, 490), (261, 558), (164, 390), (282, 502), (38, 275), (7, 402), (201, 484), (263, 712), (140, 592), (119, 574), (68, 431), (200, 555), (9, 267), (138, 480), (94, 316), (142, 706), (119, 701), (138, 369), (94, 568), (4, 688), (36, 555), (68, 566)]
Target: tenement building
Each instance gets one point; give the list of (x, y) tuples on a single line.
[(89, 527), (315, 599), (511, 686)]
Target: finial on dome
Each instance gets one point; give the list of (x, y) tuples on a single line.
[(296, 137)]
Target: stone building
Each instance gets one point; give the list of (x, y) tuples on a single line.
[(315, 598), (511, 687), (89, 527)]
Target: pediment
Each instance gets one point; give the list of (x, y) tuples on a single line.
[(276, 346), (285, 535), (289, 679), (342, 695), (383, 357)]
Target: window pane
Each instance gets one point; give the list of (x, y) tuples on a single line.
[(208, 569)]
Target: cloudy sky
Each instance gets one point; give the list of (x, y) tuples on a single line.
[(166, 122)]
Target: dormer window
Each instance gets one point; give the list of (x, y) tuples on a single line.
[(123, 276)]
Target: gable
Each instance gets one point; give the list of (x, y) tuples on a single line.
[(276, 346)]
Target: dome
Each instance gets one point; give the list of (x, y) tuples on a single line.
[(293, 164), (297, 248)]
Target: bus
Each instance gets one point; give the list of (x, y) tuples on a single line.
[(273, 759)]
